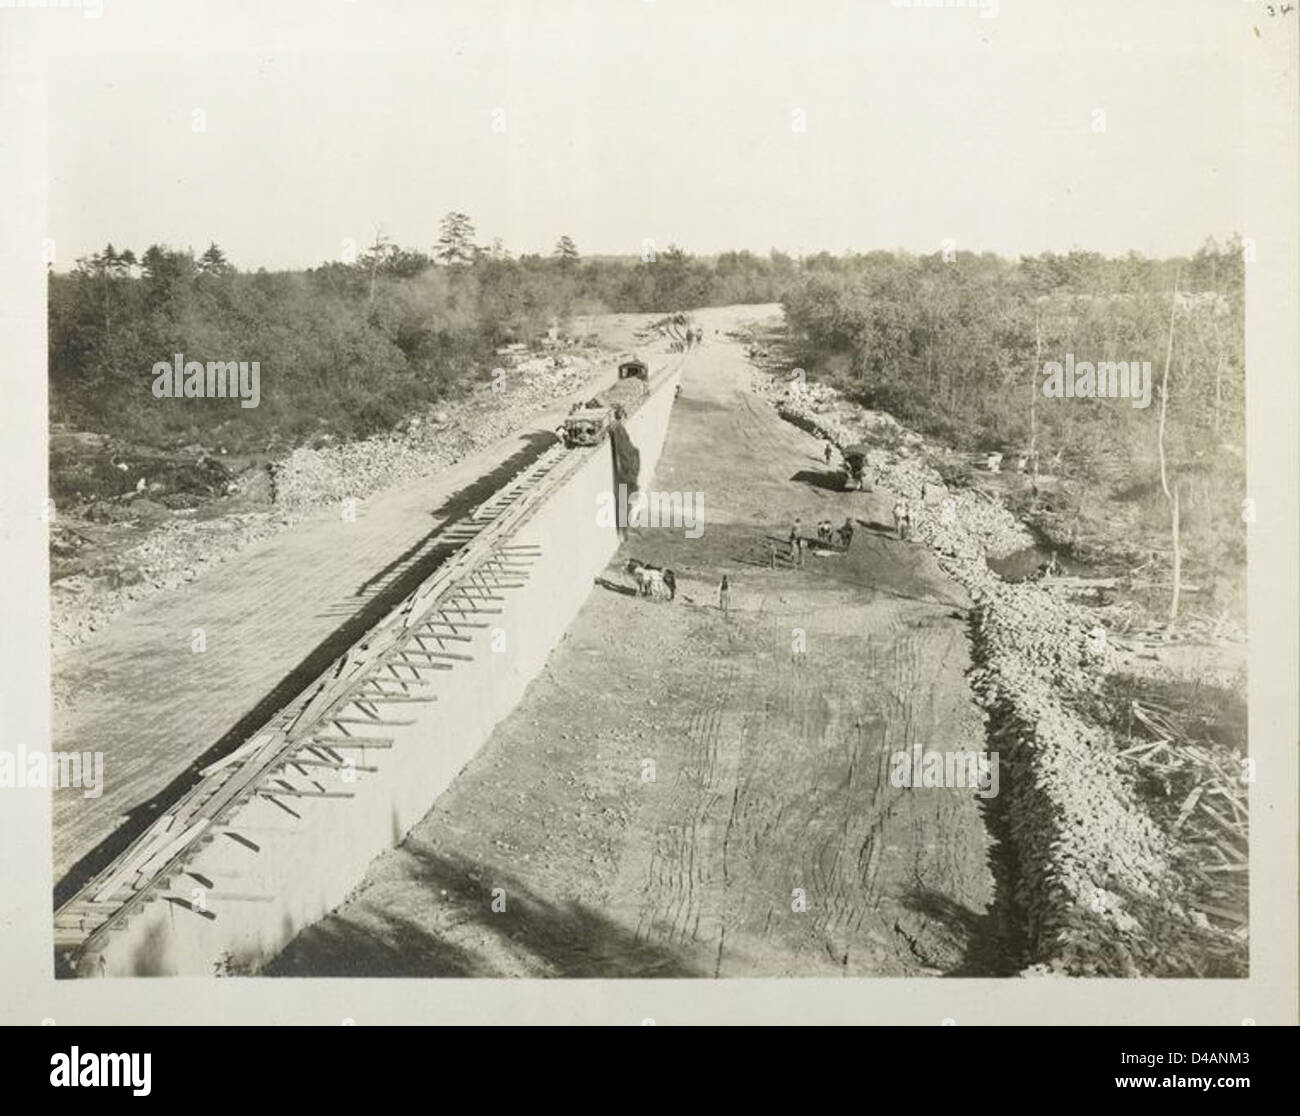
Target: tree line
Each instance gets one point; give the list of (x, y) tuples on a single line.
[(952, 344), (956, 345), (351, 346)]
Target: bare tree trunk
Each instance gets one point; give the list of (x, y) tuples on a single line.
[(1178, 562), (376, 251), (1033, 398), (1160, 445)]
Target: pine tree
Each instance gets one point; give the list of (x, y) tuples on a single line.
[(455, 245), (213, 262), (566, 252)]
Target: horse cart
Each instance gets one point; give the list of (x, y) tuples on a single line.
[(854, 471)]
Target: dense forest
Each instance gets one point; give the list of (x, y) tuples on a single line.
[(958, 347)]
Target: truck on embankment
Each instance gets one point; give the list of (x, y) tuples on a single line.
[(589, 423)]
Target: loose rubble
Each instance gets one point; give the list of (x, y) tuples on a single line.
[(972, 525), (180, 545), (313, 477), (1093, 879)]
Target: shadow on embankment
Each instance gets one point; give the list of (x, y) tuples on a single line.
[(411, 929), (374, 599), (820, 478), (992, 949)]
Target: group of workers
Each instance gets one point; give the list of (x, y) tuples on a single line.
[(831, 535), (902, 511), (827, 535)]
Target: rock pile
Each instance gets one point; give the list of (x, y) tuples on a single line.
[(1092, 868), (957, 522), (185, 545), (1084, 845), (314, 477)]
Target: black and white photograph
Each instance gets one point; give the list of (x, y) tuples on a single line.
[(607, 492)]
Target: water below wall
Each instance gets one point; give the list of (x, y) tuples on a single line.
[(1024, 563)]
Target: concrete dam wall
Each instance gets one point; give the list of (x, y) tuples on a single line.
[(223, 894)]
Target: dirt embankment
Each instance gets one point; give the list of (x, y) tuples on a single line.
[(684, 792), (131, 521), (1105, 879)]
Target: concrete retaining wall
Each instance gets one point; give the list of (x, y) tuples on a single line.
[(270, 873)]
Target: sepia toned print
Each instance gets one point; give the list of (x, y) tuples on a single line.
[(624, 501)]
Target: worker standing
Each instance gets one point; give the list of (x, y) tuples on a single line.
[(724, 595)]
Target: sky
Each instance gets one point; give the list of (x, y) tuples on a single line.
[(676, 121)]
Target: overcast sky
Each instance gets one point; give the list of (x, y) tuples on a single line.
[(663, 119)]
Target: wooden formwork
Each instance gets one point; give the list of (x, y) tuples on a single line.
[(353, 707)]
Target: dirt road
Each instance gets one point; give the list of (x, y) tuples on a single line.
[(770, 841)]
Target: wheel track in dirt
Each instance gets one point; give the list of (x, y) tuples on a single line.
[(674, 869), (812, 835), (773, 767)]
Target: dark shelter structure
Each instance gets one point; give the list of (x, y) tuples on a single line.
[(627, 459)]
